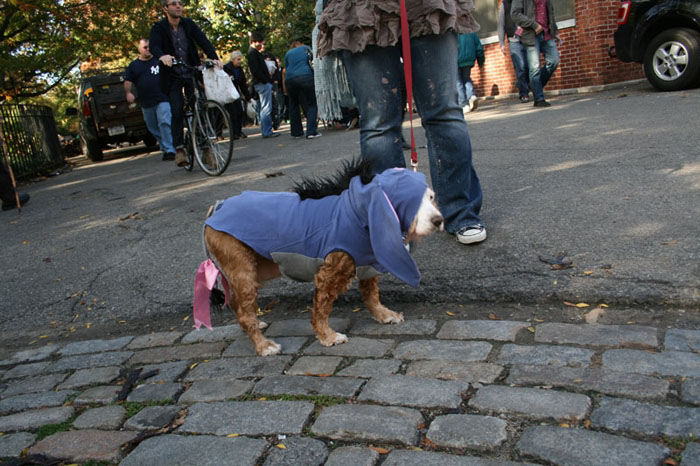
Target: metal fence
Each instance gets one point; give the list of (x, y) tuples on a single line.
[(30, 139)]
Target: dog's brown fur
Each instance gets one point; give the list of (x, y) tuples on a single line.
[(246, 270)]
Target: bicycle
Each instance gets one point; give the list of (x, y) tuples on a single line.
[(207, 129)]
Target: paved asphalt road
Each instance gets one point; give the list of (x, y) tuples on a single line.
[(610, 178)]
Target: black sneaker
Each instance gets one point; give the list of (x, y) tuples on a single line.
[(524, 99), (23, 199), (167, 156), (542, 103)]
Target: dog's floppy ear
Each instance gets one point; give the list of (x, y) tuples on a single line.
[(387, 243)]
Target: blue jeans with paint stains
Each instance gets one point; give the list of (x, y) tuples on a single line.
[(376, 76)]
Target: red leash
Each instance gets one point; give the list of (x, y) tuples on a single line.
[(406, 48)]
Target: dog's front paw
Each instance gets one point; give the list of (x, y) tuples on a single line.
[(334, 339), (387, 316), (268, 348)]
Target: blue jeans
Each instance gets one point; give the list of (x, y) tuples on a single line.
[(301, 91), (519, 59), (265, 93), (158, 120), (465, 86), (539, 76), (376, 75)]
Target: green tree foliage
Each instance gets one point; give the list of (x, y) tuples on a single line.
[(42, 42)]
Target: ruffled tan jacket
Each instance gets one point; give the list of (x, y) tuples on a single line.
[(355, 24)]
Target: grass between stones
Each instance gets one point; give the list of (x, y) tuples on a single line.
[(318, 400), (133, 407), (50, 429), (677, 445)]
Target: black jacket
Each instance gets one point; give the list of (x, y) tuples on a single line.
[(239, 80), (258, 68), (161, 43)]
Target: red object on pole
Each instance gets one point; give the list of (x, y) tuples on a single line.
[(406, 48)]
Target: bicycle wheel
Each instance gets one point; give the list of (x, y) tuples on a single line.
[(213, 145), (189, 150)]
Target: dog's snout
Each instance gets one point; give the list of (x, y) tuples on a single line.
[(437, 221)]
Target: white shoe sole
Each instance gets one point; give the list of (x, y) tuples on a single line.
[(472, 238)]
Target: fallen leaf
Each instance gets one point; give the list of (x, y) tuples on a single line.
[(134, 216), (194, 365), (316, 375), (666, 243), (281, 446), (539, 320), (357, 309), (570, 304), (452, 314), (428, 443), (43, 336), (587, 424), (588, 272), (383, 451), (558, 263), (493, 316), (593, 316), (531, 329), (262, 398), (186, 318), (669, 462), (415, 448), (233, 435), (121, 321), (88, 324), (564, 425)]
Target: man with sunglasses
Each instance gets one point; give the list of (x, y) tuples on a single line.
[(176, 38)]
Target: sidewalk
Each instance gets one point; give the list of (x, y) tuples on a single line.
[(428, 391)]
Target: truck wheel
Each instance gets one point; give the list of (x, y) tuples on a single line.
[(92, 149), (672, 59)]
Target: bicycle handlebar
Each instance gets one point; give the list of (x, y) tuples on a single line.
[(206, 64)]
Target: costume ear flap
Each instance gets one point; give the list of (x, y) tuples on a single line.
[(387, 244)]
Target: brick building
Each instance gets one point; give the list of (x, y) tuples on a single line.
[(586, 27)]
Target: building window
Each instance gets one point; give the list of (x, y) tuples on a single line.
[(487, 14)]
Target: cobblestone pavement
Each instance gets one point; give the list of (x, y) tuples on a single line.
[(429, 392)]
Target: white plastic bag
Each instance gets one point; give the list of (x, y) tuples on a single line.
[(218, 86)]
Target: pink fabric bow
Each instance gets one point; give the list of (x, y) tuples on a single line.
[(204, 282)]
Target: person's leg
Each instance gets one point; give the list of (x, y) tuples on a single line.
[(453, 177), (164, 118), (462, 98), (237, 118), (7, 192), (551, 60), (519, 59), (533, 66), (150, 117), (295, 126), (265, 93), (468, 84), (375, 75), (308, 103), (177, 109)]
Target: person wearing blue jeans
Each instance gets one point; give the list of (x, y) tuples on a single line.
[(299, 83), (539, 36), (262, 82), (145, 73), (376, 73), (507, 28), (470, 51)]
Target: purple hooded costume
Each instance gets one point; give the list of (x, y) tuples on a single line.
[(365, 221)]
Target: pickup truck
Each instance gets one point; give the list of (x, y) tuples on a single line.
[(106, 117)]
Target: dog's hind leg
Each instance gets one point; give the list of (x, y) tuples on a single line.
[(238, 262), (332, 279), (370, 294)]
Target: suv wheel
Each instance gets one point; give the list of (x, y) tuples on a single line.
[(92, 149), (672, 59)]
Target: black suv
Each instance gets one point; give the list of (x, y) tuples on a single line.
[(106, 117), (664, 35)]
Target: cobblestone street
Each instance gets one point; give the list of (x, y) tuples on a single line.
[(422, 392)]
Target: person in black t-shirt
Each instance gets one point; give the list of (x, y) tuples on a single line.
[(144, 72)]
